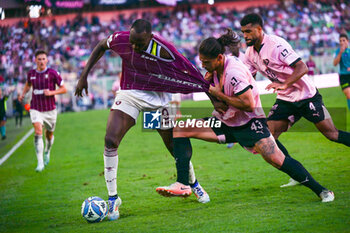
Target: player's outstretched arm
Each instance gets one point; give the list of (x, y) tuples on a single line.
[(96, 54)]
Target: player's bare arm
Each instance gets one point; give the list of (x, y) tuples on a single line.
[(338, 57), (26, 88), (61, 90), (96, 54), (300, 69), (243, 102)]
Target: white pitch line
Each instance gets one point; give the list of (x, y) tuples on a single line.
[(15, 147)]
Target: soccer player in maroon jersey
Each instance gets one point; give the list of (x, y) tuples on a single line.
[(159, 69), (42, 107), (311, 65)]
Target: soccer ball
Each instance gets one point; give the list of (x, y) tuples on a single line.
[(94, 209)]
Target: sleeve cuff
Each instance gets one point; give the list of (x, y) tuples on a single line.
[(244, 90), (294, 62)]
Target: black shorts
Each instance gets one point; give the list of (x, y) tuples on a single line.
[(344, 80), (3, 117), (246, 135), (312, 109)]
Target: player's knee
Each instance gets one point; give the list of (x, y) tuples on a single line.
[(275, 159), (49, 134), (184, 134), (270, 160), (111, 141), (180, 133), (38, 131)]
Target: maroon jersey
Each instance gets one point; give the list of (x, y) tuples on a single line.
[(40, 81), (148, 71), (311, 65)]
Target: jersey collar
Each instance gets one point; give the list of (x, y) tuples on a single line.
[(262, 44), (41, 71)]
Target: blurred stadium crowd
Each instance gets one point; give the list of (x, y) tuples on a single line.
[(312, 30)]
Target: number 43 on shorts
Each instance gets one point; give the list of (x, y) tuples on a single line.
[(256, 126)]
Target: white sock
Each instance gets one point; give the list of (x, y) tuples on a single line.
[(39, 148), (111, 167), (48, 145), (191, 175)]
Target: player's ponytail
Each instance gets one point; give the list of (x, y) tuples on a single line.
[(212, 47), (231, 39)]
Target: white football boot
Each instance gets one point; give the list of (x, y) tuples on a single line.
[(40, 168), (113, 211), (200, 193), (46, 157), (327, 196)]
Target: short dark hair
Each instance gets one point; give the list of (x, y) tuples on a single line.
[(344, 35), (141, 25), (40, 51), (252, 18)]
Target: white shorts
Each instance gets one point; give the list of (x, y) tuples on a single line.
[(48, 118), (132, 106)]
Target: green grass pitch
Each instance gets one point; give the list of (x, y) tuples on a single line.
[(244, 189)]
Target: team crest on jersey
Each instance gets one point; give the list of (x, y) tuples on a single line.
[(46, 75), (266, 61)]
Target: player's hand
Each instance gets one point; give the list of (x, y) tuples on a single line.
[(215, 90), (208, 76), (342, 48), (276, 86), (82, 85), (47, 92), (20, 98)]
